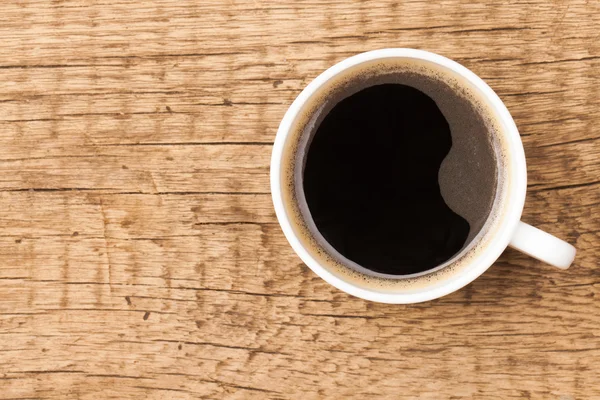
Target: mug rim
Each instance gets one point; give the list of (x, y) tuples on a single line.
[(514, 202)]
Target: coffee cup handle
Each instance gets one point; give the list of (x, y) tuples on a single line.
[(542, 246)]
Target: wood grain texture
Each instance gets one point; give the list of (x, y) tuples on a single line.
[(140, 256)]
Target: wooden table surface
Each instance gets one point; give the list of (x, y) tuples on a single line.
[(139, 253)]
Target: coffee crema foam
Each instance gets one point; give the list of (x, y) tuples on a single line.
[(446, 88)]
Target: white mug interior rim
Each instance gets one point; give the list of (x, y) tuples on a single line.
[(517, 176)]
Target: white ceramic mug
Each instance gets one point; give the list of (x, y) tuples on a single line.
[(505, 230)]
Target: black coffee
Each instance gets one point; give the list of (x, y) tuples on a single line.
[(372, 177)]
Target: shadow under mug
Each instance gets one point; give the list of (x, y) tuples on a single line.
[(460, 270)]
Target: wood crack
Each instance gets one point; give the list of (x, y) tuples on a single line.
[(106, 244), (533, 188)]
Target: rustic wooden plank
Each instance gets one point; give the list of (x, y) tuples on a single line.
[(229, 167), (144, 169)]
